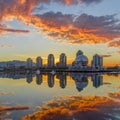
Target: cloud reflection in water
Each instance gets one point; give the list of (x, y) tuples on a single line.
[(78, 108)]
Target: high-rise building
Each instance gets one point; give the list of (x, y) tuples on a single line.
[(50, 61), (38, 62), (97, 62), (63, 60), (29, 63)]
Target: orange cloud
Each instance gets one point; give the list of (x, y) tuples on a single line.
[(77, 107), (106, 55), (4, 29), (25, 7), (115, 43), (107, 83), (65, 27), (7, 93), (83, 29), (114, 95), (110, 53), (13, 30), (6, 46), (6, 108), (68, 2), (118, 52)]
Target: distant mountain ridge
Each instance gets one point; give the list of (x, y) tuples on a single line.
[(15, 63)]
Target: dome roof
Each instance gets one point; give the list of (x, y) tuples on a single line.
[(80, 61), (81, 58), (38, 58), (79, 53)]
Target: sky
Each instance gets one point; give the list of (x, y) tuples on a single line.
[(31, 28)]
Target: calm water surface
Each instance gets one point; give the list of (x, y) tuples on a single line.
[(34, 90)]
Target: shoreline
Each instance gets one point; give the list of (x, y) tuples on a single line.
[(58, 70)]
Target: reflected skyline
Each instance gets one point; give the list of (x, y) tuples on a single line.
[(32, 89), (39, 79), (81, 81), (97, 80), (63, 79), (50, 80)]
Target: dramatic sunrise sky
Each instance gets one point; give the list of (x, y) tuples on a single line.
[(31, 28)]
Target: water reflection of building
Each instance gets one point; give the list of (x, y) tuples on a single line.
[(50, 80), (38, 62), (97, 80), (50, 61), (29, 78), (12, 75), (81, 80), (62, 77), (39, 79)]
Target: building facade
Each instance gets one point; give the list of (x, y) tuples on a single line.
[(29, 63), (63, 60), (50, 61), (97, 62), (38, 62), (81, 61)]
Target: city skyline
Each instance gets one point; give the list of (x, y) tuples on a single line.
[(79, 60), (38, 28)]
